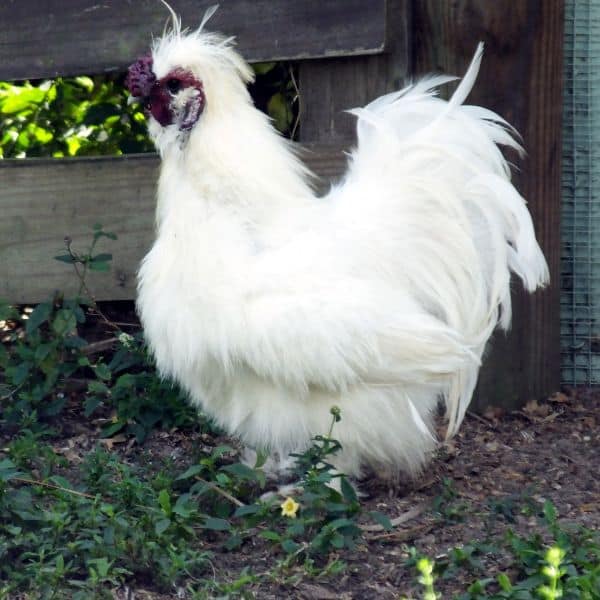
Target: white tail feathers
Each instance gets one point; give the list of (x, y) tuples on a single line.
[(443, 160), (468, 81)]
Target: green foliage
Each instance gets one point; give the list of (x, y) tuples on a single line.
[(46, 353), (567, 566), (80, 530), (69, 117), (64, 540), (43, 353), (110, 522), (85, 116), (275, 92)]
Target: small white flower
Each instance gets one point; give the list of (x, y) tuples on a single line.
[(126, 339)]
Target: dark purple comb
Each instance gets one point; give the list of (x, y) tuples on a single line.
[(140, 77)]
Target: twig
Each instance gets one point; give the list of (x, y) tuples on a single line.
[(403, 518), (297, 98), (12, 392), (216, 488), (122, 324), (479, 418), (83, 287), (53, 487), (95, 347), (402, 535)]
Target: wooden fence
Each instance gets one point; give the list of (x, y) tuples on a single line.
[(349, 51)]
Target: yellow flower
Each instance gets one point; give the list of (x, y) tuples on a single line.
[(289, 508)]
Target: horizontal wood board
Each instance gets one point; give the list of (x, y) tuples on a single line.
[(47, 38), (44, 200)]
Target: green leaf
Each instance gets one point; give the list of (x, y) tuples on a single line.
[(102, 371), (478, 587), (161, 526), (241, 470), (19, 373), (64, 322), (90, 405), (215, 524), (42, 351), (549, 512), (20, 99), (234, 541), (99, 266), (41, 135), (382, 519), (104, 257), (340, 523), (504, 582), (113, 428), (270, 535), (263, 68), (164, 500), (248, 509), (296, 528), (98, 387), (279, 112), (220, 451), (61, 482), (40, 315), (261, 458), (87, 83), (184, 506), (73, 145), (66, 258), (51, 409), (8, 470), (348, 491), (191, 472), (96, 114), (290, 546)]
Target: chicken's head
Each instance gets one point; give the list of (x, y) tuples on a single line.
[(187, 75), (177, 98)]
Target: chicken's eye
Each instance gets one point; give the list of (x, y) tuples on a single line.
[(173, 85)]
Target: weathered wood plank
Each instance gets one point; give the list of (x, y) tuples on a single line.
[(44, 200), (521, 80), (45, 38), (328, 88)]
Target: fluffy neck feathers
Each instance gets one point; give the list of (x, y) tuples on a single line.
[(233, 161)]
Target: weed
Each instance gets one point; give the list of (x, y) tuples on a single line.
[(566, 567), (81, 529)]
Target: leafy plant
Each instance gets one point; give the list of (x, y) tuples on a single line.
[(69, 117), (46, 352), (84, 116), (566, 567)]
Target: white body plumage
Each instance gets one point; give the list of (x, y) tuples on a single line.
[(270, 305)]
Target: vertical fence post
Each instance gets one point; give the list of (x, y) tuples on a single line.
[(521, 79), (331, 86)]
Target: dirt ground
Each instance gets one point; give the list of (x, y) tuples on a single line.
[(479, 482)]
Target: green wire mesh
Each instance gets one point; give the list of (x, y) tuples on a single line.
[(580, 252)]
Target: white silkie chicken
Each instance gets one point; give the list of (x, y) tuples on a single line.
[(270, 305)]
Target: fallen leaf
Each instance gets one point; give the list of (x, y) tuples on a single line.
[(559, 397), (536, 409), (117, 439)]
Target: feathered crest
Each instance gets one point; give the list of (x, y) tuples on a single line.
[(200, 44), (176, 20)]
